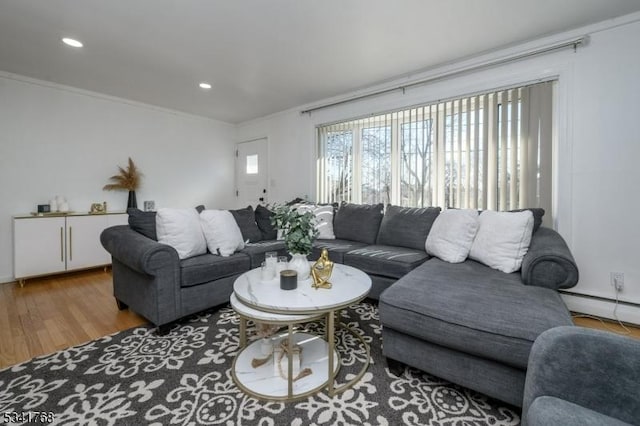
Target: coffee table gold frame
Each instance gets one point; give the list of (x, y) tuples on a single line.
[(330, 327)]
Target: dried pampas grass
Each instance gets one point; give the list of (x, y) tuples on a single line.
[(128, 179)]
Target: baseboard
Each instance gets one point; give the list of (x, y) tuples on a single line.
[(5, 280), (601, 307)]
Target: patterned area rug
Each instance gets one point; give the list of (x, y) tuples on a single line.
[(136, 377)]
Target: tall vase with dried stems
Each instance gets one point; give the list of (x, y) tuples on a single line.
[(127, 179)]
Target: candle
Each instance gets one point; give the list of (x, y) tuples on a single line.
[(288, 279)]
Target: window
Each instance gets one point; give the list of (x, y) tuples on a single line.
[(252, 164), (488, 151)]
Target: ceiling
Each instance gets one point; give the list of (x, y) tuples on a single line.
[(264, 56)]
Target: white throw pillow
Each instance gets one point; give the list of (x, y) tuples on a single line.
[(324, 220), (180, 228), (503, 239), (452, 234), (221, 232)]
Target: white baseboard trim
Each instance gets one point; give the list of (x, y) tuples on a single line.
[(5, 280), (600, 307)]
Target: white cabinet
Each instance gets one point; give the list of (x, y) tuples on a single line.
[(39, 246), (48, 245), (82, 234)]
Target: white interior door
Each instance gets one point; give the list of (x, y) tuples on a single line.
[(251, 173)]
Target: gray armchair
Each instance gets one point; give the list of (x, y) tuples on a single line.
[(578, 376)]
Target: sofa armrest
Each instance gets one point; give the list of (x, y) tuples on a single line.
[(136, 251), (591, 368), (549, 262)]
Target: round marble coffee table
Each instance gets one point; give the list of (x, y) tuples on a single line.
[(256, 370)]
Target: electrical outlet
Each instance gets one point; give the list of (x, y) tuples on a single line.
[(617, 280)]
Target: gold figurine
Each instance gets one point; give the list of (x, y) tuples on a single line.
[(321, 271)]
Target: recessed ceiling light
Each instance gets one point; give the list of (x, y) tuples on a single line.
[(205, 86), (71, 42)]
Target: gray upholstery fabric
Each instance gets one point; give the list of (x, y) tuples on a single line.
[(155, 297), (549, 262), (538, 214), (143, 222), (137, 251), (387, 261), (209, 267), (263, 220), (595, 369), (489, 377), (378, 285), (547, 410), (146, 274), (256, 251), (358, 222), (472, 308), (213, 293), (246, 220), (337, 248), (147, 277), (406, 227)]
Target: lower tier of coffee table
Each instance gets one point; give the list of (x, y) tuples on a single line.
[(268, 380)]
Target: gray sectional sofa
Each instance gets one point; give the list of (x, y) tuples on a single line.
[(464, 322), (474, 325)]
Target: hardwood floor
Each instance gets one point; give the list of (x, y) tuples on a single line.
[(53, 313), (56, 312), (607, 325)]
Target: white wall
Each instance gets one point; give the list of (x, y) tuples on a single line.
[(597, 149), (291, 153), (59, 140)]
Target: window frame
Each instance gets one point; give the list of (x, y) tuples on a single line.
[(467, 140)]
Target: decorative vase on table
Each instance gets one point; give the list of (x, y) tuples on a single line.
[(299, 232), (131, 202), (300, 264)]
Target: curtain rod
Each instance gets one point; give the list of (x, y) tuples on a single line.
[(574, 43)]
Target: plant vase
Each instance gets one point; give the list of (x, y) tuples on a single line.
[(300, 264), (131, 202)]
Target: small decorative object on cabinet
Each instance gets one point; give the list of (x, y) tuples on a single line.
[(98, 208), (57, 204), (149, 206), (126, 180), (66, 242)]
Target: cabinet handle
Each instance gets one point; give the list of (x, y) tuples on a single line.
[(61, 244), (70, 243)]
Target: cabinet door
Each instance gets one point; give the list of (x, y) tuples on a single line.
[(83, 242), (39, 246), (117, 219)]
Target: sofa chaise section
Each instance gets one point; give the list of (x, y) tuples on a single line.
[(474, 325)]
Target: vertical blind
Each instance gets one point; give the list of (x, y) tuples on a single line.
[(488, 151)]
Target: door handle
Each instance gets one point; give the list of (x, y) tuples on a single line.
[(71, 243), (61, 245)]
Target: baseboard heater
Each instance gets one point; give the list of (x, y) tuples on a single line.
[(601, 299)]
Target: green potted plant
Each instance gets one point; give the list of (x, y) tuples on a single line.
[(299, 231)]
